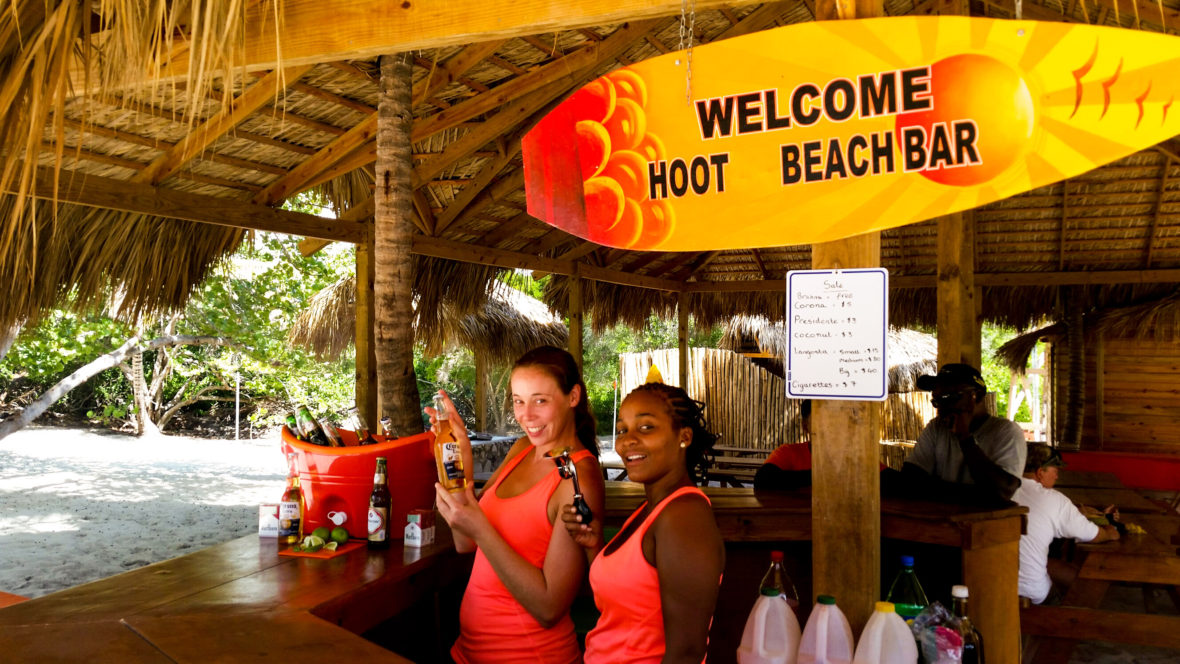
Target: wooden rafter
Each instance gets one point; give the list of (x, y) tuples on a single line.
[(317, 31), (221, 122), (452, 69), (112, 194), (467, 207), (506, 230), (692, 268), (1159, 210), (758, 261), (542, 244)]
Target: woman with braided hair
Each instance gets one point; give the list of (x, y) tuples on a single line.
[(656, 583)]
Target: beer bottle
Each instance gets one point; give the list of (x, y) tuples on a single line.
[(293, 426), (363, 434), (972, 641), (379, 503), (331, 434), (291, 507), (448, 456), (309, 427)]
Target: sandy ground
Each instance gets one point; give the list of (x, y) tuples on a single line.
[(76, 506)]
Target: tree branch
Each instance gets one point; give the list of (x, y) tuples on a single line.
[(195, 398)]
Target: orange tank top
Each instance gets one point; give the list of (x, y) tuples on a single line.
[(627, 593), (493, 626)]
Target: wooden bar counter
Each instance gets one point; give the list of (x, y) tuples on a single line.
[(989, 540), (237, 601)]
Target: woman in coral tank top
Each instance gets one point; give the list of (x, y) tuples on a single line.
[(656, 582), (526, 571)]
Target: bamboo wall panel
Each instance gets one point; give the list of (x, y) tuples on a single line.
[(748, 406)]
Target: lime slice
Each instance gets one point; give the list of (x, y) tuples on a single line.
[(330, 546)]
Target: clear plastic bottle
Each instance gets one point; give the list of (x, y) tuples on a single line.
[(776, 583), (972, 641), (906, 593)]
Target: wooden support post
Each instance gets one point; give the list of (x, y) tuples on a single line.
[(575, 315), (846, 486), (1100, 388), (682, 342), (366, 356), (481, 391), (990, 570), (958, 322)]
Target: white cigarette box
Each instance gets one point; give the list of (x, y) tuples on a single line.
[(268, 520)]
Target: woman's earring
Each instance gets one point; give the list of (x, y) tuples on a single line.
[(683, 445)]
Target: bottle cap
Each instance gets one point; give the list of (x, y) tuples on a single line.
[(885, 607), (825, 599), (959, 592), (776, 556), (907, 561)]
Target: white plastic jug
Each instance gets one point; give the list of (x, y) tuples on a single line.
[(772, 633), (886, 639), (827, 638)]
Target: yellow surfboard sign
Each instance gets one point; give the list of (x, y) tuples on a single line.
[(820, 131)]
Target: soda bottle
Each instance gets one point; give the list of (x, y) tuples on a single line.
[(291, 506), (448, 455), (379, 502), (776, 583), (309, 427), (906, 593), (972, 641)]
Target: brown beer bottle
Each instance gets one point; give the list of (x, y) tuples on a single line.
[(448, 455), (291, 507), (379, 503), (364, 435)]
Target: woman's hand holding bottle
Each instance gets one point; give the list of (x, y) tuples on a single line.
[(588, 536)]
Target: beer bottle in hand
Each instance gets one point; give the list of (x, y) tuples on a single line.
[(447, 454), (379, 502)]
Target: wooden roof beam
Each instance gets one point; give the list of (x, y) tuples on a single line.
[(759, 19), (221, 122), (111, 194), (758, 261), (1159, 211), (474, 198), (331, 30), (506, 229), (452, 69)]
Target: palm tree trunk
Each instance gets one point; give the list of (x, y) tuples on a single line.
[(397, 385)]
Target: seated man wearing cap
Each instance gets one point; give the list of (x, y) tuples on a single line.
[(1050, 515), (964, 453)]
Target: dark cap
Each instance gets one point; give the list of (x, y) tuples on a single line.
[(1041, 456), (953, 374)]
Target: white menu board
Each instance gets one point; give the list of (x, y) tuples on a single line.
[(837, 322)]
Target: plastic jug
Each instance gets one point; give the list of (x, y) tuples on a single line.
[(827, 638), (886, 639), (772, 633)]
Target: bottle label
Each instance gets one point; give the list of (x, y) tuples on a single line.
[(378, 524), (452, 461), (288, 518)]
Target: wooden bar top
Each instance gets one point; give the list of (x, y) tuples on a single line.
[(237, 600)]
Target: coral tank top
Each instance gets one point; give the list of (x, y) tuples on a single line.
[(493, 626), (627, 592)]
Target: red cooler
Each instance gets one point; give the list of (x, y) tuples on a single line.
[(340, 479)]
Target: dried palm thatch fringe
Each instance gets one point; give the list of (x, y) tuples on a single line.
[(910, 353), (508, 324), (87, 255), (1156, 319)]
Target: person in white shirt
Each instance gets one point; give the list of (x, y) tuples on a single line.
[(1050, 515)]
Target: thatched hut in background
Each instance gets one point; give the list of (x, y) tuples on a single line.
[(509, 324)]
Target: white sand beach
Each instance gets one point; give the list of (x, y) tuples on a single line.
[(77, 505)]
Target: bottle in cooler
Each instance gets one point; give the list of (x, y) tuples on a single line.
[(906, 593), (827, 638), (772, 633), (972, 641), (379, 503), (886, 639), (309, 427), (332, 434), (364, 434), (448, 455), (293, 426)]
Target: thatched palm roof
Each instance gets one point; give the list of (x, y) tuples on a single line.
[(229, 139), (509, 324), (909, 353)]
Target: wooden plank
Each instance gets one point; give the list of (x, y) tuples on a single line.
[(107, 641), (481, 192), (362, 134), (1100, 387), (112, 194), (324, 31), (682, 338), (1158, 631), (991, 576), (846, 521)]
